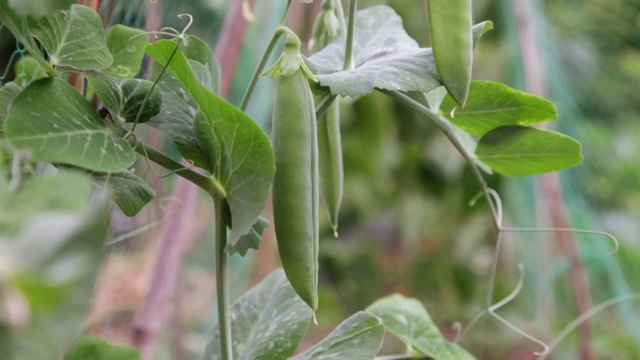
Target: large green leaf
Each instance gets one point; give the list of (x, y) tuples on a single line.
[(357, 338), (88, 347), (491, 105), (267, 322), (407, 319), (19, 27), (52, 120), (127, 48), (386, 57), (74, 38), (38, 8), (128, 191), (523, 151), (197, 50), (239, 155)]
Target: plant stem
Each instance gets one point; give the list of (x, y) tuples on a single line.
[(224, 314), (324, 105), (337, 4), (348, 53), (263, 61), (206, 183)]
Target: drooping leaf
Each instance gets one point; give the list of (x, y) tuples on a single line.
[(88, 347), (251, 240), (38, 8), (407, 319), (385, 56), (128, 191), (357, 338), (267, 322), (74, 38), (523, 151), (55, 123), (239, 155), (491, 105), (126, 45)]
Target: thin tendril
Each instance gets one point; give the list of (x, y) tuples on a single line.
[(584, 317), (614, 240), (163, 219), (190, 163)]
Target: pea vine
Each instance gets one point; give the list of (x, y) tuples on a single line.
[(228, 155)]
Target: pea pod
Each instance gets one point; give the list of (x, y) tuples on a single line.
[(451, 37), (330, 156), (295, 185)]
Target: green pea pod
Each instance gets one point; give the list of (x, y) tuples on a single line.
[(451, 37), (330, 156), (296, 184)]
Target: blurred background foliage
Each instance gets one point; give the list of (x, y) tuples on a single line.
[(406, 225)]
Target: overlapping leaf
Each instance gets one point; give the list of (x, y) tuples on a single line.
[(385, 56), (126, 45), (523, 151), (124, 97), (491, 105), (407, 319), (73, 38), (267, 322), (237, 151), (251, 240), (56, 124), (357, 338), (7, 93)]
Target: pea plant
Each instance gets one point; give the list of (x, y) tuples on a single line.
[(45, 120)]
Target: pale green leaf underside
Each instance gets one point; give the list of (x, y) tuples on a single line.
[(56, 124), (238, 152), (251, 240), (357, 338), (386, 57), (523, 151), (127, 48), (267, 322), (407, 319), (128, 191), (74, 38), (491, 105)]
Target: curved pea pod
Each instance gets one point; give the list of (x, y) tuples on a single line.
[(451, 37), (296, 184), (330, 157)]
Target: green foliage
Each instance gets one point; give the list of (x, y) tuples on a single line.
[(63, 127), (87, 347), (38, 8), (129, 192), (126, 45)]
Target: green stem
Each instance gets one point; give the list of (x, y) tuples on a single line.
[(337, 4), (348, 54), (324, 105), (222, 286), (444, 127), (263, 61)]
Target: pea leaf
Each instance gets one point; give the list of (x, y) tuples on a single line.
[(197, 50), (385, 56), (357, 338), (268, 322), (251, 240), (28, 69), (88, 347), (55, 123), (126, 45), (407, 319), (238, 152), (124, 97), (491, 105), (128, 191), (38, 8), (19, 27), (523, 151), (73, 38)]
